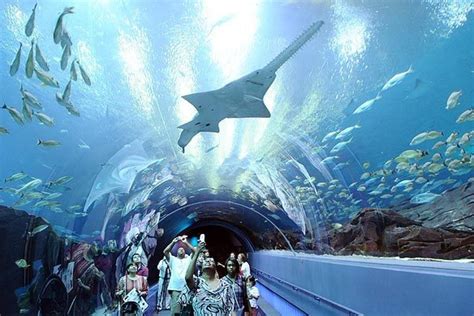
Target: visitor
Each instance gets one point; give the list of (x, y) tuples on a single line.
[(253, 295), (178, 267), (207, 292), (244, 265), (142, 269), (162, 296), (130, 281), (204, 255), (237, 283)]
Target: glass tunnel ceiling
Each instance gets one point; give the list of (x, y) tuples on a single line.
[(122, 151)]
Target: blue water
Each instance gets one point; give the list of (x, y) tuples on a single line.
[(142, 56)]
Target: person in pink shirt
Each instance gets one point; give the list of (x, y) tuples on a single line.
[(141, 268)]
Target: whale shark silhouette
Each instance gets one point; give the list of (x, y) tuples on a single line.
[(240, 98)]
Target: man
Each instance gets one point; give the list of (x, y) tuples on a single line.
[(162, 295), (178, 266)]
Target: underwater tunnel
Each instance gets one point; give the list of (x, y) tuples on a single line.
[(329, 145)]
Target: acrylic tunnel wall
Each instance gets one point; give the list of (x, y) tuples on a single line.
[(277, 128)]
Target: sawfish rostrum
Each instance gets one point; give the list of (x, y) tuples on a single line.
[(240, 98)]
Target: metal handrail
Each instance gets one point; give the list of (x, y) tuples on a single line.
[(319, 299)]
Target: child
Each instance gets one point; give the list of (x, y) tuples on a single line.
[(253, 295)]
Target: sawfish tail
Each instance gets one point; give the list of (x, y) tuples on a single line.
[(278, 61)]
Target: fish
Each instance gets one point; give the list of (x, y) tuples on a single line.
[(15, 114), (27, 111), (60, 100), (413, 154), (65, 57), (366, 165), (423, 198), (450, 150), (386, 196), (16, 62), (48, 143), (330, 135), (211, 148), (63, 131), (30, 25), (58, 29), (453, 99), (21, 263), (33, 184), (435, 167), (339, 146), (32, 195), (67, 92), (397, 79), (347, 132), (40, 59), (30, 62), (74, 208), (46, 79), (60, 181), (452, 137), (466, 116), (16, 177), (421, 180), (83, 145), (329, 159), (420, 138), (436, 157), (43, 118), (38, 229), (438, 145), (72, 110), (65, 38), (341, 165), (84, 75), (365, 175), (3, 131), (30, 99), (72, 71), (53, 196), (421, 88), (367, 105)]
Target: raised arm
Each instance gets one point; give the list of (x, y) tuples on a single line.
[(192, 265), (168, 248), (186, 242)]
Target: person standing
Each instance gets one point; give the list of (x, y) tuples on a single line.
[(244, 265), (178, 266), (207, 294), (237, 284), (162, 296), (141, 268), (253, 295), (131, 280)]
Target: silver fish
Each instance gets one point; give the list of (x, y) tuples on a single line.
[(73, 71), (40, 59), (84, 75), (30, 25), (65, 57), (3, 131), (14, 113), (67, 92), (58, 29), (30, 62), (43, 118), (16, 62), (65, 39), (26, 110), (48, 143), (46, 79)]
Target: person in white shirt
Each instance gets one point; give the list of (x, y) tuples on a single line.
[(253, 294), (244, 265), (163, 298), (178, 266)]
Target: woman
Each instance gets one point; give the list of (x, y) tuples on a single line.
[(244, 265), (238, 285), (207, 294), (127, 283), (141, 268)]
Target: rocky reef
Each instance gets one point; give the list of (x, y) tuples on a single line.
[(452, 210), (28, 257), (378, 232)]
